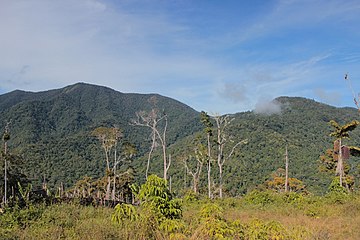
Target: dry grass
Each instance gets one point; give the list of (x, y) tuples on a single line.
[(308, 219)]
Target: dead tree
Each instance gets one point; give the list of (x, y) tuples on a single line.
[(108, 138), (6, 138), (356, 99), (117, 135), (205, 120), (128, 151), (222, 123), (200, 156), (286, 169), (158, 123)]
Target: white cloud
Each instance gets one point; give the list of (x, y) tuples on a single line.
[(267, 107), (50, 44)]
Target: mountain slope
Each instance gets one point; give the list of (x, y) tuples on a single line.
[(52, 129), (303, 126)]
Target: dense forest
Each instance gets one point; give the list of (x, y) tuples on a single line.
[(101, 147)]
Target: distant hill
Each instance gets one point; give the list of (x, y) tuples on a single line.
[(52, 131)]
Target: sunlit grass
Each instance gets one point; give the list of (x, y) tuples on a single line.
[(306, 218)]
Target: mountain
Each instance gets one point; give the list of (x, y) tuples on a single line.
[(51, 130), (302, 126)]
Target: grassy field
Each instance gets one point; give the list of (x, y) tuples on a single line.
[(258, 215)]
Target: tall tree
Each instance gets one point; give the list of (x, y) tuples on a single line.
[(153, 120), (205, 120), (340, 133), (286, 169), (128, 151), (6, 138), (222, 123), (117, 135), (108, 138), (195, 172)]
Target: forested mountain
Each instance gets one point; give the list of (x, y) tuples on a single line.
[(302, 125), (51, 130)]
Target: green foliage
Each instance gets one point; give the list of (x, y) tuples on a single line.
[(335, 187), (293, 197), (261, 198), (172, 227), (16, 217), (211, 210), (124, 212), (154, 193), (25, 193), (205, 120), (52, 129), (191, 196), (212, 224), (343, 131), (337, 193), (261, 230), (15, 178), (225, 218)]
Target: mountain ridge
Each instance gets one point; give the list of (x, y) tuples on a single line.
[(52, 131)]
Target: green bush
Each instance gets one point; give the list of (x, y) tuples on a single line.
[(124, 212), (261, 198), (154, 193), (212, 224)]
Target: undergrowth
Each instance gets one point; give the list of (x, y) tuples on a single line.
[(258, 215)]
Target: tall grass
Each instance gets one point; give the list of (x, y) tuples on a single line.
[(259, 215)]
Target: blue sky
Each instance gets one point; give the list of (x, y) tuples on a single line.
[(217, 56)]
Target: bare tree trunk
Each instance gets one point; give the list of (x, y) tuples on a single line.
[(162, 139), (165, 162), (209, 166), (195, 175), (185, 178), (220, 143), (108, 186), (151, 151), (151, 120), (6, 137), (222, 139), (170, 183), (220, 183), (286, 170), (5, 173), (114, 172), (340, 165)]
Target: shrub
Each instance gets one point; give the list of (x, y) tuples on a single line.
[(124, 212), (156, 195), (212, 225), (261, 198)]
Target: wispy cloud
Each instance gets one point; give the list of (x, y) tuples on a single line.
[(329, 97), (267, 107), (235, 92), (221, 58)]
